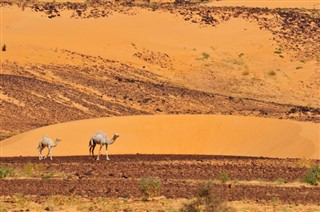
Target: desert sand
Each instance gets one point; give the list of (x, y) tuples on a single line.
[(182, 134), (165, 44), (83, 63)]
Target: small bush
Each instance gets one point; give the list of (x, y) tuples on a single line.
[(150, 187), (205, 55), (31, 169), (27, 169), (6, 172), (224, 177), (312, 177), (4, 48), (271, 73), (207, 200), (47, 176), (21, 200), (305, 163), (245, 73)]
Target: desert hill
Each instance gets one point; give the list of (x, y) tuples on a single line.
[(71, 61)]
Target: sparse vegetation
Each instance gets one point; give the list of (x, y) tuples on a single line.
[(205, 55), (4, 48), (278, 51), (206, 200), (303, 162), (299, 67), (47, 176), (134, 45), (150, 187), (56, 201), (31, 169), (21, 200), (6, 172), (241, 54), (312, 177), (272, 73), (245, 73), (224, 177), (280, 180)]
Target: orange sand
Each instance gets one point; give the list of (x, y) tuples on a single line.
[(120, 36), (185, 134)]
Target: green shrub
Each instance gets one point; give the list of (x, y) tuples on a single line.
[(312, 177), (150, 187), (6, 172), (224, 177)]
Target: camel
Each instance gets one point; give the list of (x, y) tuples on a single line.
[(101, 138), (47, 142)]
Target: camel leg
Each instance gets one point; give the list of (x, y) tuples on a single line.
[(99, 151), (107, 152), (93, 147), (91, 150), (40, 153), (49, 153)]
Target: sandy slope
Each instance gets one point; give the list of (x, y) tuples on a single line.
[(235, 57), (185, 134)]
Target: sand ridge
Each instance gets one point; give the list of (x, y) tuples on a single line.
[(179, 134)]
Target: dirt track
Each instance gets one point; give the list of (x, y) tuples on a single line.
[(180, 175)]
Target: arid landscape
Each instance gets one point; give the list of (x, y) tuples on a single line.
[(217, 104)]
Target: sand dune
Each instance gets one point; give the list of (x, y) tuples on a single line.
[(184, 134)]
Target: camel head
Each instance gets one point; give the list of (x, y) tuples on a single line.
[(115, 136), (57, 141)]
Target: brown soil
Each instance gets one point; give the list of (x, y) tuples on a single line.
[(180, 176)]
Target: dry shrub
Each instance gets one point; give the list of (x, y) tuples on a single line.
[(150, 187), (207, 200), (305, 163)]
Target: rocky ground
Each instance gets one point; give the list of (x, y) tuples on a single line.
[(248, 178)]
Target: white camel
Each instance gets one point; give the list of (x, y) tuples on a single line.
[(47, 142), (101, 138)]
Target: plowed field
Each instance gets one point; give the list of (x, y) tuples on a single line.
[(249, 178)]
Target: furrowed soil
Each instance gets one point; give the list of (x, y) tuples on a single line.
[(249, 178)]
